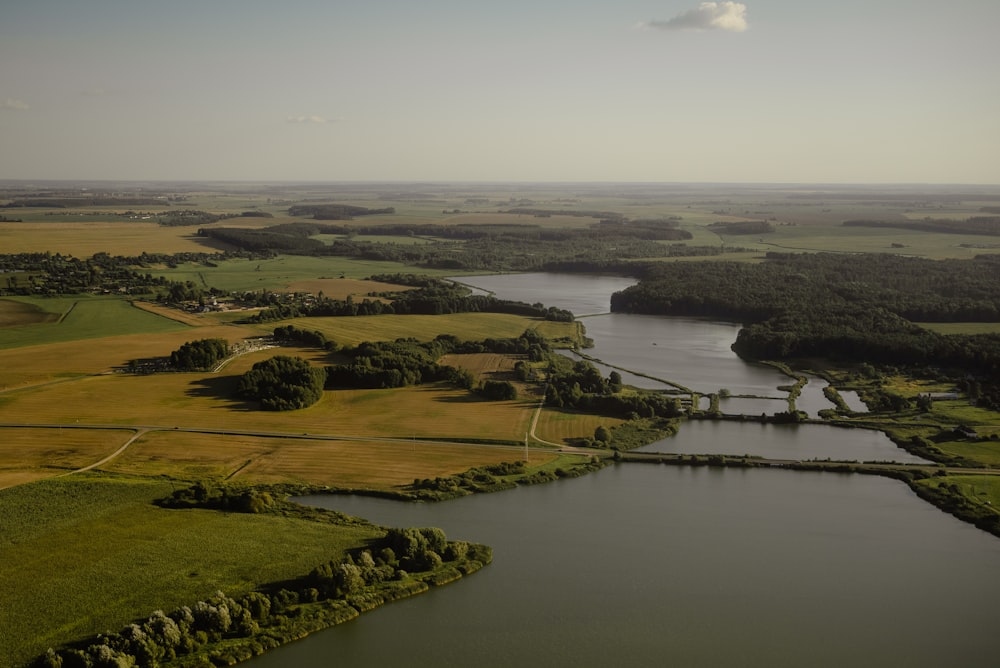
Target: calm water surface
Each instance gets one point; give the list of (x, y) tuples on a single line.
[(781, 441), (650, 565)]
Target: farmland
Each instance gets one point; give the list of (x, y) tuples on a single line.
[(64, 362)]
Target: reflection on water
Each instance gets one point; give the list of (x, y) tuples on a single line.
[(781, 441), (648, 565)]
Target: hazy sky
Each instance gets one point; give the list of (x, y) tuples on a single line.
[(675, 90)]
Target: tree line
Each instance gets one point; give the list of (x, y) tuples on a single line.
[(486, 247), (851, 308), (223, 629), (431, 297), (988, 225)]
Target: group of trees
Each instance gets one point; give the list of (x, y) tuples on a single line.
[(222, 630), (199, 355), (288, 383), (314, 338), (282, 383), (220, 497), (391, 364), (164, 637), (410, 362), (580, 385)]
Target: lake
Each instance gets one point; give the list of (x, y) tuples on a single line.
[(651, 565)]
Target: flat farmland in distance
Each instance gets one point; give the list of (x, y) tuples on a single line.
[(28, 454), (279, 272), (351, 331), (555, 221), (89, 236), (342, 288), (336, 463), (838, 238)]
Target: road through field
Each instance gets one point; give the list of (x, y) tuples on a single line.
[(143, 430)]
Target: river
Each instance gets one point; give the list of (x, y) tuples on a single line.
[(650, 565)]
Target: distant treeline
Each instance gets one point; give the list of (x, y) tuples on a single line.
[(986, 225), (92, 200), (483, 247), (431, 297), (192, 217), (335, 211), (916, 289)]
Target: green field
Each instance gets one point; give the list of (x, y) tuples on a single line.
[(86, 554), (84, 317), (466, 326), (277, 273)]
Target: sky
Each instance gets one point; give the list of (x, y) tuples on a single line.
[(761, 91)]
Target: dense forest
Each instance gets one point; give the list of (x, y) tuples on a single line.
[(282, 383), (199, 355), (852, 308), (916, 289), (509, 247)]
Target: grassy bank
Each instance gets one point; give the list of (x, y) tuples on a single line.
[(89, 553)]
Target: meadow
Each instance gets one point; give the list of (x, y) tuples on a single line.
[(98, 554), (466, 326)]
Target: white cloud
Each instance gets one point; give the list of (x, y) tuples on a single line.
[(14, 105), (312, 119), (728, 16)]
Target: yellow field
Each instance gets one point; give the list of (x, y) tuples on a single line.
[(31, 365), (560, 426), (339, 463), (204, 401), (87, 237), (482, 364), (28, 454), (466, 326)]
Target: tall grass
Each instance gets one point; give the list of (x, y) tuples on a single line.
[(86, 554)]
